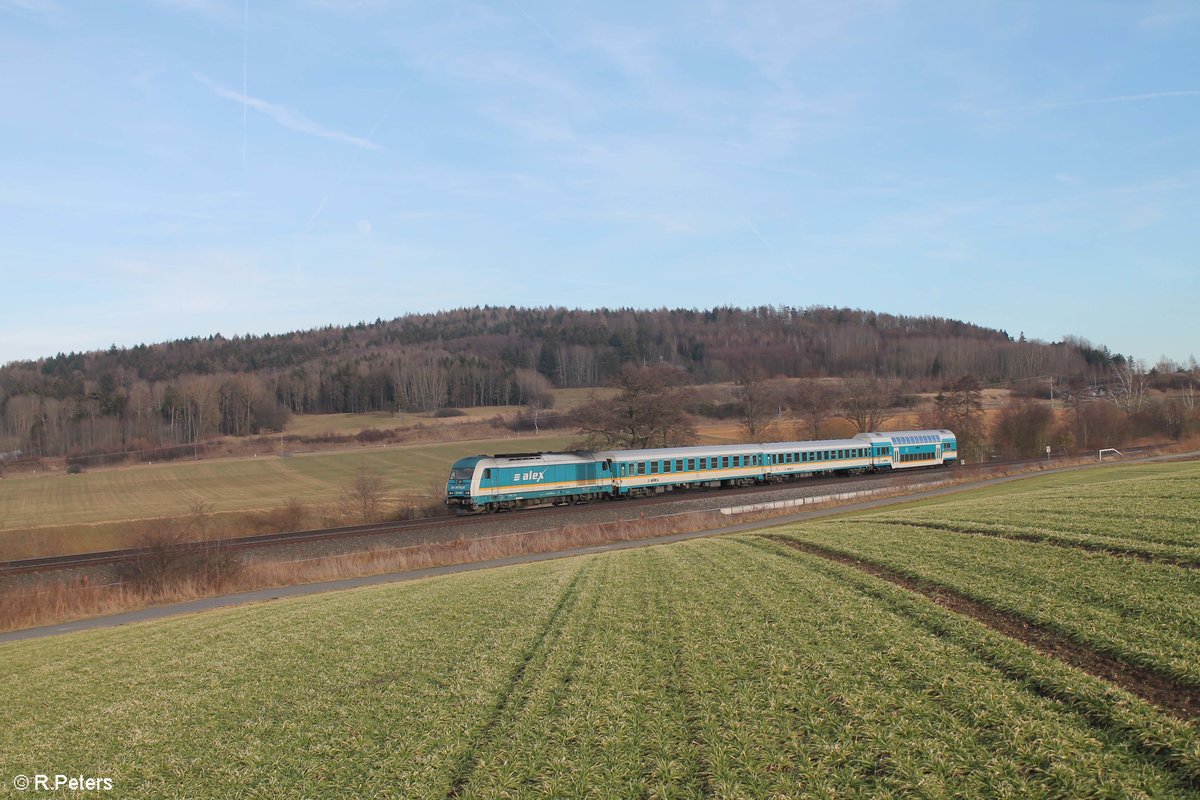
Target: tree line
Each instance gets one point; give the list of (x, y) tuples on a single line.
[(655, 407), (185, 391)]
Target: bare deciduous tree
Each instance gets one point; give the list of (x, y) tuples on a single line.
[(1022, 428), (1188, 395), (864, 402), (959, 407), (758, 403), (649, 411), (1129, 389), (363, 499), (811, 403), (200, 518), (536, 393)]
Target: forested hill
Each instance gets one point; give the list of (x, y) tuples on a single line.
[(486, 356)]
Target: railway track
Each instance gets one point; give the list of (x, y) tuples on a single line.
[(112, 557)]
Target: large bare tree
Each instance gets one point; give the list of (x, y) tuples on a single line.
[(1130, 384), (649, 410), (811, 403), (757, 402), (959, 407), (865, 402)]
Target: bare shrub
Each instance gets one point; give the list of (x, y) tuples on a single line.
[(168, 559), (363, 499), (199, 519), (370, 435), (292, 515)]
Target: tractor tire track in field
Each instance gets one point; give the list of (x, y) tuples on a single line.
[(1111, 549), (513, 691), (1176, 698), (1174, 748)]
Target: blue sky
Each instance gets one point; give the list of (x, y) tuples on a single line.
[(173, 168)]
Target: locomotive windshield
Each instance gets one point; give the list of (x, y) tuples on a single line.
[(461, 473)]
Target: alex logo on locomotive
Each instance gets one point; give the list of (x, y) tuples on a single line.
[(529, 476)]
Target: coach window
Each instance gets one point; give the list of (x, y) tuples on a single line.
[(667, 465), (724, 461), (641, 468), (653, 467)]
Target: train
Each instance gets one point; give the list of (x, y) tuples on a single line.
[(510, 481)]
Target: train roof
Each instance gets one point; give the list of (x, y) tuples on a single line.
[(928, 436), (824, 444), (575, 457), (679, 452)]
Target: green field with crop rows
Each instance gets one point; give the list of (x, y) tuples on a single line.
[(730, 667)]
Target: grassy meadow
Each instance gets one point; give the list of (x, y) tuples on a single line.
[(87, 501), (729, 667)]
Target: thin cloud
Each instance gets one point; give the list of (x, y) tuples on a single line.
[(44, 8), (1122, 98), (535, 23), (286, 116), (216, 10), (770, 246)]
